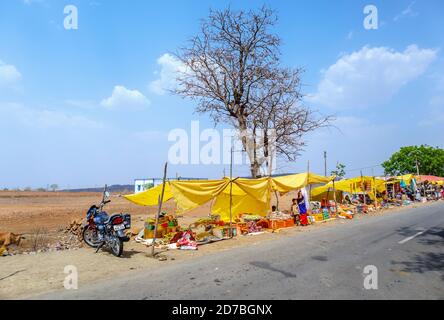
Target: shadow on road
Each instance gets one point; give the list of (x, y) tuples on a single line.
[(129, 254), (408, 231), (267, 266), (431, 259), (435, 236), (424, 262), (320, 258)]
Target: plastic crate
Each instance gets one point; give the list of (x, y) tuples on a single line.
[(277, 224), (289, 223)]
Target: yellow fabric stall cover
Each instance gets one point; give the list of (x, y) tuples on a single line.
[(191, 194), (240, 204), (329, 194), (150, 197), (258, 189), (407, 178), (249, 195), (352, 185), (291, 182)]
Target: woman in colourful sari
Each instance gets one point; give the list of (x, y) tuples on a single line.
[(302, 209)]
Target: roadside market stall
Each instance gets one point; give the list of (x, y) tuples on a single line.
[(362, 186), (234, 202)]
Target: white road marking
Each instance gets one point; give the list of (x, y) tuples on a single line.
[(411, 237)]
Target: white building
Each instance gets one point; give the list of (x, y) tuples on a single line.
[(141, 185)]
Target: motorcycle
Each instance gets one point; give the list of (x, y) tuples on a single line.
[(103, 230)]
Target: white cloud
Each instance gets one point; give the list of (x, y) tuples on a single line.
[(44, 118), (407, 12), (370, 76), (9, 75), (123, 98), (169, 66)]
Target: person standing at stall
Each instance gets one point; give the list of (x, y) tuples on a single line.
[(295, 212), (302, 208)]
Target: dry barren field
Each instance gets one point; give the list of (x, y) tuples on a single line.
[(42, 217), (24, 212)]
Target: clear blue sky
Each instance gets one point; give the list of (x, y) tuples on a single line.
[(85, 107)]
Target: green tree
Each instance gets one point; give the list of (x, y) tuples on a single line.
[(428, 160), (148, 185), (54, 187), (339, 171)]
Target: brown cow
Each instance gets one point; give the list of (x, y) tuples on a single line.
[(8, 238)]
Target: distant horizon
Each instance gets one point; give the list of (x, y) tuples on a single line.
[(132, 185)]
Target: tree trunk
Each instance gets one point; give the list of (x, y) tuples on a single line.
[(251, 152)]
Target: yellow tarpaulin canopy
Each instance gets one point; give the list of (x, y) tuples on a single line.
[(288, 183), (407, 178), (353, 185), (328, 195), (192, 194), (248, 195), (240, 204), (150, 197)]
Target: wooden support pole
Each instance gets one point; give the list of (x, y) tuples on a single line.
[(309, 187), (159, 210), (277, 199), (334, 197), (374, 189)]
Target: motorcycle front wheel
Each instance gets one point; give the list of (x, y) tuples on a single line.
[(90, 237), (116, 246)]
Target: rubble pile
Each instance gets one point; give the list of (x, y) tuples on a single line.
[(75, 228)]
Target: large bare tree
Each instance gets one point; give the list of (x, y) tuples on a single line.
[(232, 70)]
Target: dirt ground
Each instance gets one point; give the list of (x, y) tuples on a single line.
[(47, 214), (24, 212)]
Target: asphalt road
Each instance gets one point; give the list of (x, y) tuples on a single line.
[(406, 247)]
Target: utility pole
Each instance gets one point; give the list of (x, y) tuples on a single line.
[(231, 191), (308, 177), (417, 167), (325, 163)]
